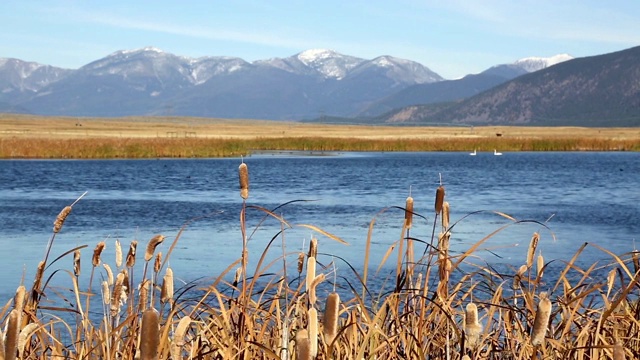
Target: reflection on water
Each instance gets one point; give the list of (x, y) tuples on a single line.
[(581, 197)]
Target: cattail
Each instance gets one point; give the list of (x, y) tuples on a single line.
[(312, 289), (312, 314), (106, 293), (330, 319), (445, 216), (57, 224), (97, 252), (533, 244), (76, 263), (311, 273), (238, 276), (25, 335), (408, 213), (635, 256), (131, 255), (117, 296), (109, 273), (303, 346), (472, 327), (2, 357), (611, 278), (300, 262), (149, 335), (118, 254), (439, 199), (35, 295), (143, 296), (540, 265), (125, 281), (157, 263), (618, 351), (18, 299), (517, 279), (166, 293), (178, 337), (466, 357), (151, 247), (11, 336), (243, 172), (541, 321), (313, 247)]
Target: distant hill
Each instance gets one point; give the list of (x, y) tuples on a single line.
[(599, 90)]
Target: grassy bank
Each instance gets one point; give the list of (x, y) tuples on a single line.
[(274, 312), (111, 148)]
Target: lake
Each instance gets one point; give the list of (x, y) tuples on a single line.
[(580, 197)]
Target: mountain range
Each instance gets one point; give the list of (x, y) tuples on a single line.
[(314, 84)]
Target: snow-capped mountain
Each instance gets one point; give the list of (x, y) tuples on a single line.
[(18, 75), (531, 64)]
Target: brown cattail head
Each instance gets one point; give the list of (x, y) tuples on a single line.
[(472, 327), (533, 244), (11, 335), (125, 281), (312, 314), (166, 293), (445, 216), (149, 335), (303, 346), (541, 321), (238, 276), (97, 252), (118, 254), (540, 265), (151, 247), (243, 173), (300, 262), (157, 263), (35, 295), (408, 213), (18, 299), (57, 224), (131, 255), (635, 256), (330, 319), (618, 351), (143, 296), (106, 293), (76, 263), (118, 294), (439, 199), (313, 247)]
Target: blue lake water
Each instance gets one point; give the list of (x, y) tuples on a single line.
[(582, 197)]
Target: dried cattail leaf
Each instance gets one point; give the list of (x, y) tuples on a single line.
[(166, 293), (151, 247), (149, 335), (243, 173), (611, 278), (330, 319), (312, 314), (131, 255), (109, 273), (118, 254), (157, 263), (106, 293), (541, 321), (76, 263), (445, 216), (533, 244), (178, 337), (439, 199), (62, 216), (408, 213), (472, 327), (303, 346), (97, 252), (25, 334)]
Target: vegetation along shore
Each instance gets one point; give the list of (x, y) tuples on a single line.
[(25, 136)]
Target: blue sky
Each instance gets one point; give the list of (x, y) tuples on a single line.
[(452, 37)]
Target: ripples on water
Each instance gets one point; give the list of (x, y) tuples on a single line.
[(588, 197)]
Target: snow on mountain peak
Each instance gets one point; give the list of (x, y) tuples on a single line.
[(313, 55), (531, 64)]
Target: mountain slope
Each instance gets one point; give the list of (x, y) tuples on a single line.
[(600, 90)]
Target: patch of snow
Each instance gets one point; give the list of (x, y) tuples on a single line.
[(155, 93), (531, 64), (313, 55)]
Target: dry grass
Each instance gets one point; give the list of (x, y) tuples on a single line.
[(269, 314)]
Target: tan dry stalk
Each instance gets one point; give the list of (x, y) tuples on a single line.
[(131, 255), (303, 346), (157, 263), (408, 213), (25, 335), (166, 293), (2, 357), (118, 254), (149, 335), (11, 336), (117, 295), (59, 221), (533, 244), (106, 293), (439, 199), (178, 337), (445, 216), (76, 263), (330, 318), (472, 327), (243, 174), (300, 262), (541, 321), (312, 316), (313, 248), (95, 260), (109, 273), (151, 246), (618, 351)]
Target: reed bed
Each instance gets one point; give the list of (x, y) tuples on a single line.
[(122, 148), (275, 312)]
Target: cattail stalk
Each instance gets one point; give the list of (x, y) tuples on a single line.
[(541, 321), (149, 335)]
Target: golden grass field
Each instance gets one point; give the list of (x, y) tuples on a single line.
[(24, 136)]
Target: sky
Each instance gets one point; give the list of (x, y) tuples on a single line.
[(451, 37)]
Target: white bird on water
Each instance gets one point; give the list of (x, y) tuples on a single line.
[(473, 153), (496, 153)]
